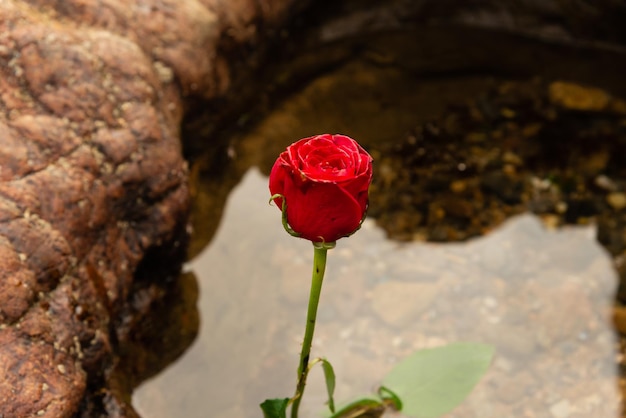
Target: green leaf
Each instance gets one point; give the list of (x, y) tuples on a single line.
[(434, 381), (329, 376), (275, 408)]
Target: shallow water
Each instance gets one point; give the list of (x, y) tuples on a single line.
[(542, 297)]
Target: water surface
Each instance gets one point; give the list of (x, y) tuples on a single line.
[(542, 297)]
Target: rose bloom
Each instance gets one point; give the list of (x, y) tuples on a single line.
[(324, 180)]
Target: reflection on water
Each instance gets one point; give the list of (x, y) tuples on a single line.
[(543, 298)]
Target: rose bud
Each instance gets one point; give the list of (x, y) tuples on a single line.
[(324, 182)]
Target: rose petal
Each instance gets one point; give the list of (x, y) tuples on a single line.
[(321, 211), (326, 159), (358, 188), (278, 174)]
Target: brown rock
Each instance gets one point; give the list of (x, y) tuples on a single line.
[(92, 178), (577, 97)]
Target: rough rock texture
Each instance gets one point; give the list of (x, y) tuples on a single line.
[(91, 173)]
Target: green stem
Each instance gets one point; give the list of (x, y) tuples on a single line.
[(319, 266)]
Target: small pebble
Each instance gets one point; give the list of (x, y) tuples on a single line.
[(490, 302), (605, 183), (512, 158), (561, 409), (458, 186), (617, 200), (575, 96)]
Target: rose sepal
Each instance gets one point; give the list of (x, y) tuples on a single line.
[(322, 245), (283, 209)]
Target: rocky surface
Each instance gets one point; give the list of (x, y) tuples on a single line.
[(92, 180)]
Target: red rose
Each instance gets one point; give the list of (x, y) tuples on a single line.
[(324, 180)]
